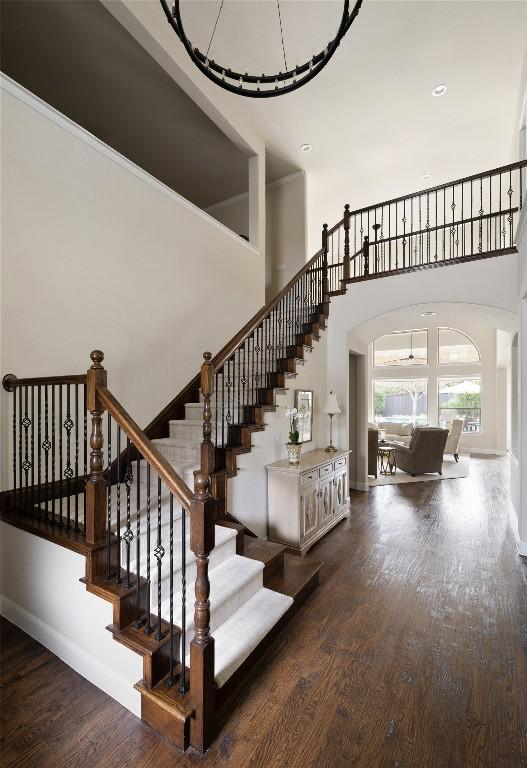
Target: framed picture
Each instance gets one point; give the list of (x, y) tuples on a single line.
[(304, 400)]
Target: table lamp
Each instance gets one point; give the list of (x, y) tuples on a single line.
[(331, 408)]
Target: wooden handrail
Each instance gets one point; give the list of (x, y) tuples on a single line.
[(10, 382), (147, 449), (224, 354), (446, 185)]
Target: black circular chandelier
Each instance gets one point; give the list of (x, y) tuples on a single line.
[(260, 85)]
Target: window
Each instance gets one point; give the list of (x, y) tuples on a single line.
[(460, 398), (456, 347), (401, 348), (400, 400)]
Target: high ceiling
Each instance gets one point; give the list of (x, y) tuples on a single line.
[(78, 58), (370, 116)]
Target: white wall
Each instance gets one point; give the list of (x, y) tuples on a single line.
[(97, 254), (248, 490), (41, 593), (229, 113), (286, 227)]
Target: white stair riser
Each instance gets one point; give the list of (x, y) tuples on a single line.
[(180, 454), (187, 474), (190, 432)]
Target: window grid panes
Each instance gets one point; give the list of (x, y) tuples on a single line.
[(460, 398), (401, 348), (400, 400), (456, 347)]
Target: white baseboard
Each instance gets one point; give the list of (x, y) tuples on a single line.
[(77, 658), (490, 451), (358, 486)]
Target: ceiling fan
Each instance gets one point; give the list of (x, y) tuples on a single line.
[(408, 358)]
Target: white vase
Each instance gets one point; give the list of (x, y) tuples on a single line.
[(293, 452)]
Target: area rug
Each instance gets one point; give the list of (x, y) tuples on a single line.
[(451, 470)]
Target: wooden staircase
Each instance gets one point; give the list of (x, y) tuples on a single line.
[(129, 481)]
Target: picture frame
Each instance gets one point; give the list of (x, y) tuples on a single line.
[(305, 398)]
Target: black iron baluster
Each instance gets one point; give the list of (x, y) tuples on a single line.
[(15, 500), (128, 534), (404, 233), (239, 375), (138, 621), (20, 468), (428, 228), (159, 553), (436, 228), (170, 678), (396, 239), (76, 458), (182, 677), (46, 445), (510, 217), (222, 373), (109, 501), (53, 454), (68, 472), (39, 444), (472, 216), (244, 381), (444, 224), (61, 522), (148, 628), (33, 449), (85, 412), (26, 465), (118, 505), (480, 246)]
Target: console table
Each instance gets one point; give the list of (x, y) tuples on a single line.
[(306, 500)]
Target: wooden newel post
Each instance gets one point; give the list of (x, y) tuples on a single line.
[(325, 283), (207, 390), (95, 523), (202, 686), (346, 270), (366, 255)]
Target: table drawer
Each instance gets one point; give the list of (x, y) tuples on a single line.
[(326, 471), (341, 462), (306, 478)]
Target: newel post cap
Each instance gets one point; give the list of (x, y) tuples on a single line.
[(9, 382), (97, 357)]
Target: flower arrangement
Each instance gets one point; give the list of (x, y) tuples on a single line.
[(294, 445), (293, 414)]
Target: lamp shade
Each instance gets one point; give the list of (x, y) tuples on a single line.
[(331, 407)]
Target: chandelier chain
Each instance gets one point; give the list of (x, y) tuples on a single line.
[(281, 33), (214, 30)]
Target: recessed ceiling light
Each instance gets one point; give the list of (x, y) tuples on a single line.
[(306, 147), (439, 90), (428, 314), (425, 176)]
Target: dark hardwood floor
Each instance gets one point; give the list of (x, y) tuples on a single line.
[(411, 654)]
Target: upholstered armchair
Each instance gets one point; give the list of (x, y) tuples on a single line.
[(454, 438), (425, 452), (373, 445)]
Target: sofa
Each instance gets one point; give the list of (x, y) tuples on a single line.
[(397, 431), (424, 454)]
